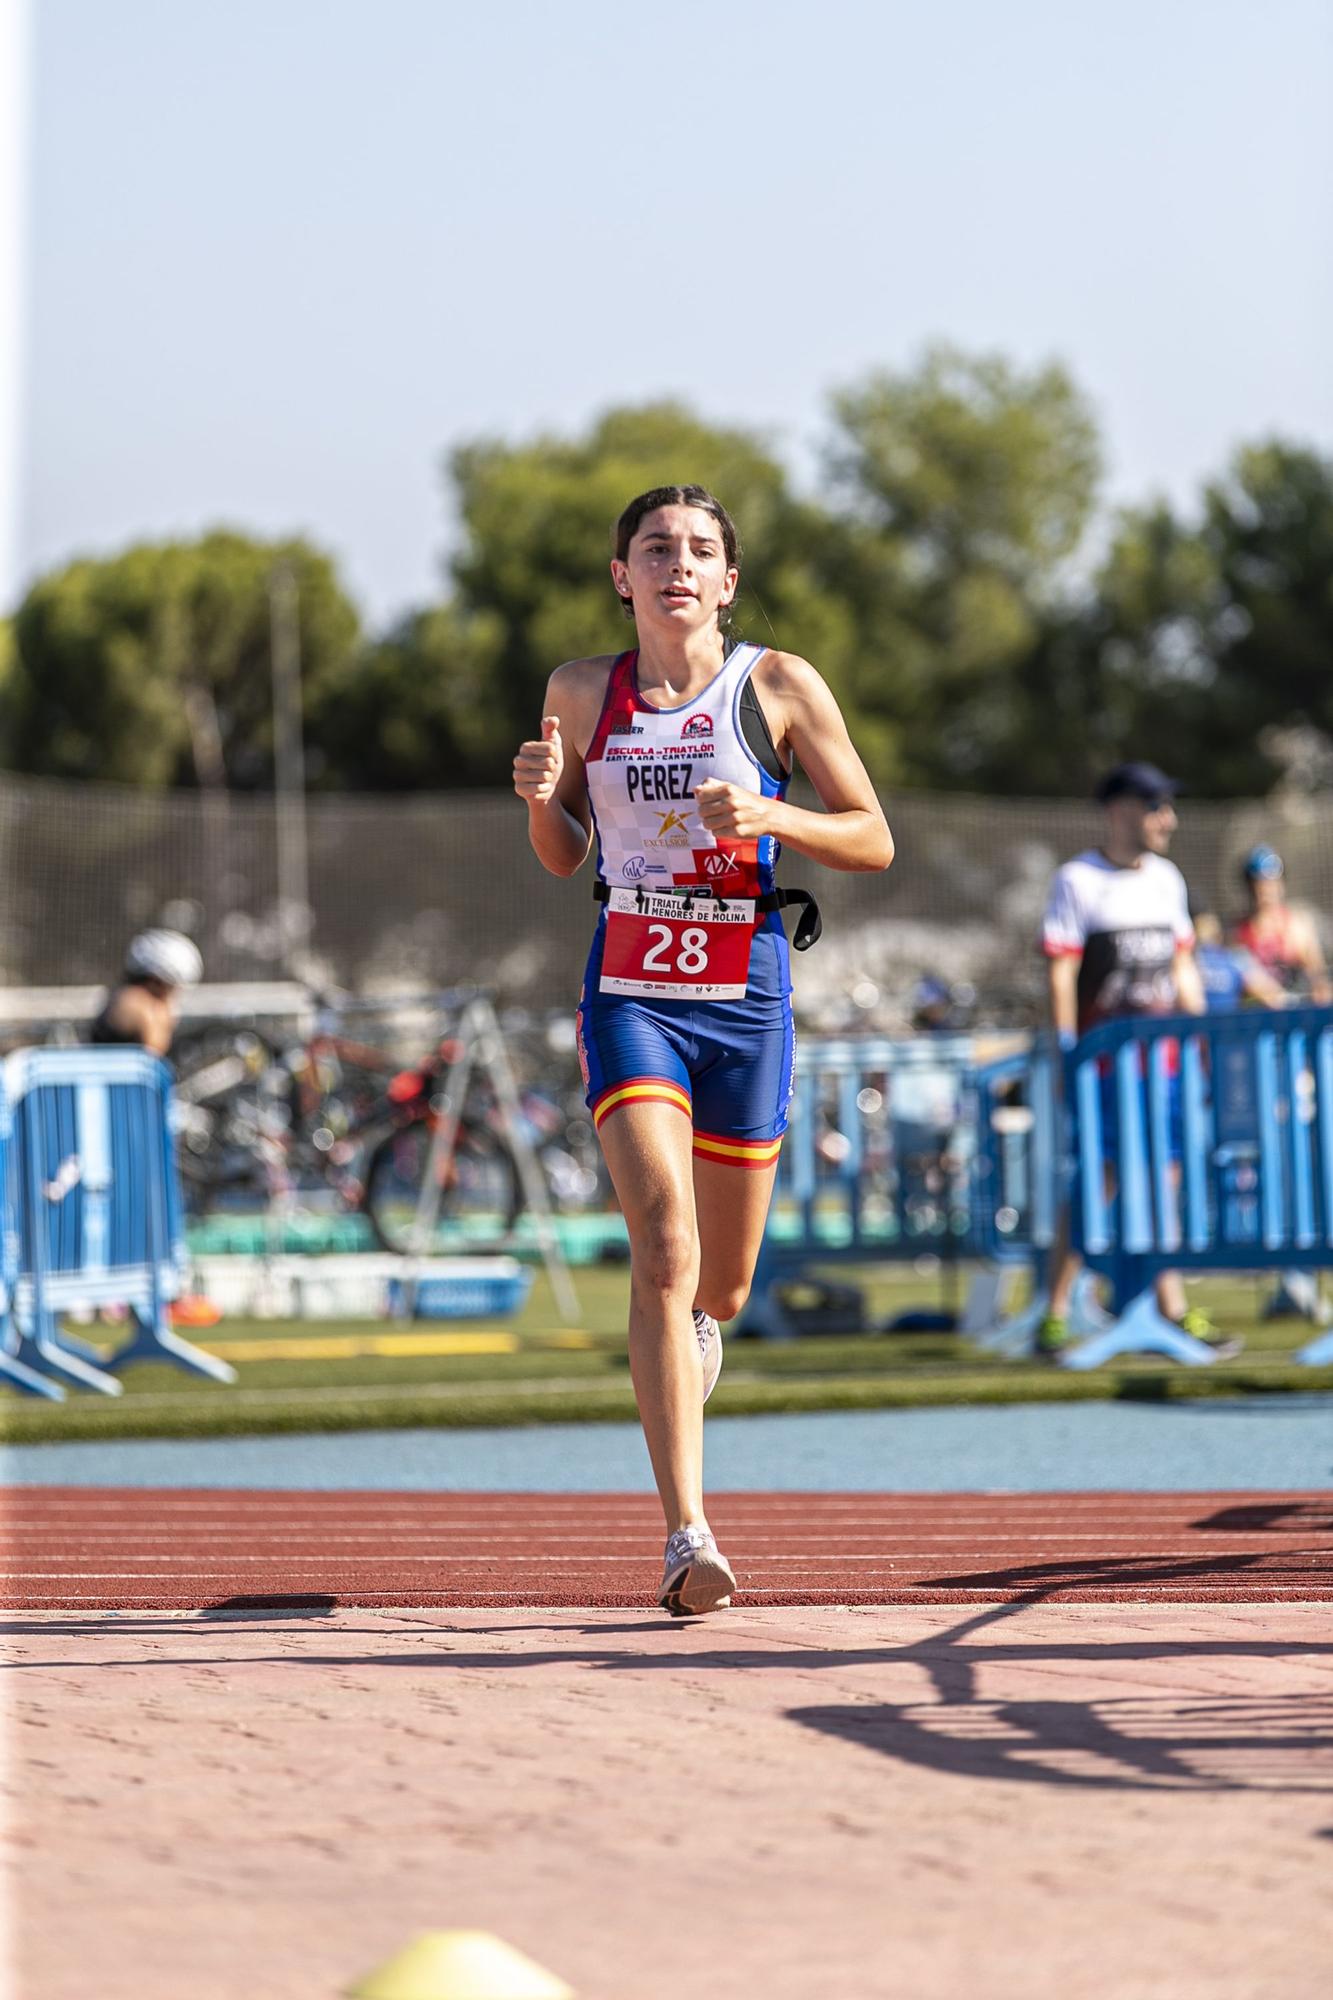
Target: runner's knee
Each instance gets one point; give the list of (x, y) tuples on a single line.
[(665, 1255), (723, 1299)]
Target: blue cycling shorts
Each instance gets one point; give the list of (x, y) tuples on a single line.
[(727, 1064)]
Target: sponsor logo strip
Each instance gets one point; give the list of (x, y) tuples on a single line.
[(752, 1153), (640, 1090)]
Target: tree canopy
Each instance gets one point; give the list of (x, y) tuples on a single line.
[(153, 667), (937, 574)]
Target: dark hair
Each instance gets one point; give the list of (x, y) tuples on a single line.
[(627, 527)]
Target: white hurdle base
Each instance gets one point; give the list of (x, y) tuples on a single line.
[(1317, 1353), (987, 1323), (1141, 1329)]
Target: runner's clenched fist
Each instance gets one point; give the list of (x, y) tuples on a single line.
[(730, 812), (538, 765)]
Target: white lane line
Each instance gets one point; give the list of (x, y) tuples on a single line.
[(53, 1496), (892, 1558), (903, 1574), (476, 1600), (923, 1547)]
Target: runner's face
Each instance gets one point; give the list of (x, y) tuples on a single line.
[(677, 571)]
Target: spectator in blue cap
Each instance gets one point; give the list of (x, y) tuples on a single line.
[(1282, 938)]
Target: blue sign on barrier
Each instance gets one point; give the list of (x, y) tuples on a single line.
[(1197, 1144), (93, 1213), (1203, 1143)]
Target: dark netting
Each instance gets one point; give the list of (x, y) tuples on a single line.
[(428, 891)]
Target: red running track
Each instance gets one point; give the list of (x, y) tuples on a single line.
[(83, 1548)]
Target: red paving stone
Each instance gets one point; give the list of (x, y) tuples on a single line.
[(1019, 1801), (72, 1548)]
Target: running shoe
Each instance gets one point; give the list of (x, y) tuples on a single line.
[(710, 1349), (1197, 1324), (1053, 1337), (696, 1576)]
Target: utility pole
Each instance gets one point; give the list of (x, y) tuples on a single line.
[(294, 913)]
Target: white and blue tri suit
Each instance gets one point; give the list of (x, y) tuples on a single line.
[(687, 994)]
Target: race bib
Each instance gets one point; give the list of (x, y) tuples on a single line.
[(659, 947)]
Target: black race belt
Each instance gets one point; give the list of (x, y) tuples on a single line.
[(809, 926)]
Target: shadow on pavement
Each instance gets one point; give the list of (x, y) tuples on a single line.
[(1152, 1742), (1290, 1517), (1154, 1739)]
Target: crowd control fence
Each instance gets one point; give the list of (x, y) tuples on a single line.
[(1186, 1143), (904, 1150), (1200, 1144), (92, 1216)]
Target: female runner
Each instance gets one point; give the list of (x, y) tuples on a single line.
[(675, 756)]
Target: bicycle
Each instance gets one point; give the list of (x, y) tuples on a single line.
[(333, 1113)]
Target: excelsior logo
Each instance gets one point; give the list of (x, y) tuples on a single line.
[(672, 822), (696, 725)]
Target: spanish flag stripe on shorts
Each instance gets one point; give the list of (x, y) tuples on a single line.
[(640, 1090), (756, 1154)]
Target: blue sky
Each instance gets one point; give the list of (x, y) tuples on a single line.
[(284, 254)]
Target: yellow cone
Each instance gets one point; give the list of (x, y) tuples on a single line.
[(459, 1965)]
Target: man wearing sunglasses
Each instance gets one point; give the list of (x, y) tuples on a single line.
[(1118, 941)]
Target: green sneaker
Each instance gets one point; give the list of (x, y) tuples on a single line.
[(1053, 1337), (1197, 1324)]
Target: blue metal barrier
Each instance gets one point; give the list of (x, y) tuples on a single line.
[(1017, 1188), (13, 1369), (882, 1163), (1202, 1144), (94, 1214)]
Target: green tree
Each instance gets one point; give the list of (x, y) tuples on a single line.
[(970, 484), (1200, 640), (918, 587), (153, 667), (532, 584), (414, 711), (1268, 526)]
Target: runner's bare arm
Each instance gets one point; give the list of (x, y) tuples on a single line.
[(803, 717), (548, 770)]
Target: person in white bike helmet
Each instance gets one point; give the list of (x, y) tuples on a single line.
[(141, 1010)]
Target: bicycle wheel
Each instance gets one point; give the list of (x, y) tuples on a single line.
[(480, 1193)]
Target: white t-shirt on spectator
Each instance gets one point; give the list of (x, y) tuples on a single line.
[(1125, 925)]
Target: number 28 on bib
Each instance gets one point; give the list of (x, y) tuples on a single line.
[(655, 946)]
